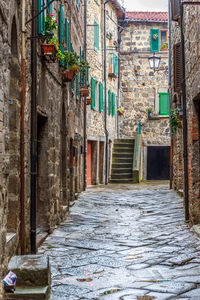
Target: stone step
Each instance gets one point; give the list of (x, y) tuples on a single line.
[(123, 150), (33, 293), (123, 160), (122, 181), (122, 155), (122, 176), (124, 145), (126, 141), (121, 170), (122, 165), (31, 270)]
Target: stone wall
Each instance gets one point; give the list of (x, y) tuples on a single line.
[(60, 131), (95, 118), (192, 59), (140, 86)]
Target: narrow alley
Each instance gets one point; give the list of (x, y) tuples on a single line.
[(125, 242)]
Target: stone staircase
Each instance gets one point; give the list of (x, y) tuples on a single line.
[(122, 161), (33, 277)]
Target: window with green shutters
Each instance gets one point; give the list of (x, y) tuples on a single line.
[(93, 93), (113, 104), (155, 43), (96, 35), (163, 104), (109, 102), (61, 29), (100, 96), (50, 7), (41, 17), (67, 34), (82, 76)]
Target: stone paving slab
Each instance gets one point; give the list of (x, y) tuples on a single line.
[(125, 242)]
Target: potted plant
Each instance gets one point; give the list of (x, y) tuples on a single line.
[(174, 121), (164, 47), (120, 111), (84, 92), (88, 101), (50, 42), (150, 112)]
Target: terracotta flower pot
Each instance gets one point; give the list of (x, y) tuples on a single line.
[(74, 68), (84, 92), (68, 75), (120, 113), (88, 101), (48, 49)]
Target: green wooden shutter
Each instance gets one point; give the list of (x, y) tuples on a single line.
[(41, 17), (77, 87), (67, 34), (113, 104), (155, 44), (109, 102), (73, 80), (163, 104), (96, 35), (93, 93), (115, 64), (100, 96), (78, 4), (87, 75), (61, 29), (82, 76), (50, 7)]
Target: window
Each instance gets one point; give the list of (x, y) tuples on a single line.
[(175, 7), (159, 40), (96, 35), (100, 96), (109, 103), (113, 104), (113, 65), (163, 104), (163, 40), (93, 93), (73, 80)]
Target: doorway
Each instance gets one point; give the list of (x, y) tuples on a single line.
[(158, 163), (89, 163), (101, 161)]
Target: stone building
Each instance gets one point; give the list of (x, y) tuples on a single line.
[(59, 122), (144, 90), (186, 149), (97, 112)]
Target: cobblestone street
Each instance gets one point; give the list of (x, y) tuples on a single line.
[(125, 242)]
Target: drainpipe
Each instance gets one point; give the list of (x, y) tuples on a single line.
[(23, 66), (185, 153), (105, 96), (85, 107), (169, 91), (33, 127), (119, 83)]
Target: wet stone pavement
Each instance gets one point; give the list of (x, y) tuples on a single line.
[(125, 242)]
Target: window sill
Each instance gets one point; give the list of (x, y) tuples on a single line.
[(158, 117)]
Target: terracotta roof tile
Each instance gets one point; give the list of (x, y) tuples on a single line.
[(147, 16)]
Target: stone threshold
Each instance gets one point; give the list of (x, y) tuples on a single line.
[(41, 237)]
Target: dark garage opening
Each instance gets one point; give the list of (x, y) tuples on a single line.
[(158, 163)]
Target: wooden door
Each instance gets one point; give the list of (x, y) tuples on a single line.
[(89, 163), (158, 163)]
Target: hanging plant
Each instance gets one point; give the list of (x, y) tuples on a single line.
[(174, 121), (51, 24), (120, 111)]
